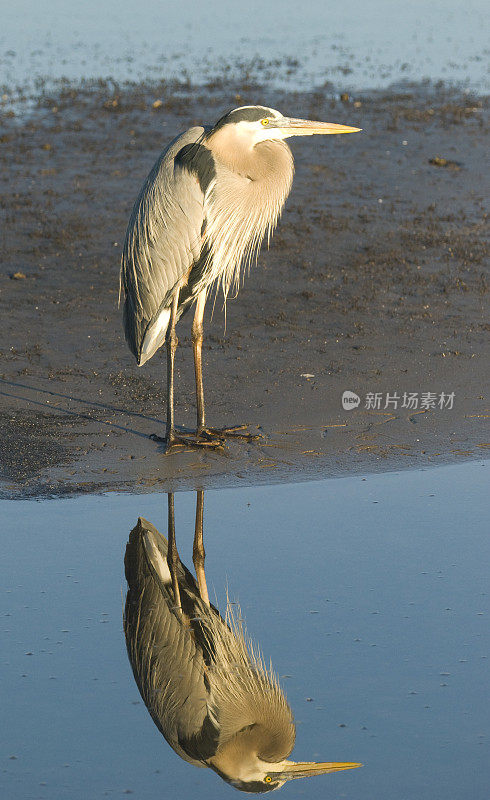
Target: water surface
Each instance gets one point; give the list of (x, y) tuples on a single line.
[(368, 595), (287, 44)]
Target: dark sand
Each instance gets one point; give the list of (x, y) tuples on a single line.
[(363, 295)]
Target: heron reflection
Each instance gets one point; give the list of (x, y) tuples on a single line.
[(202, 679)]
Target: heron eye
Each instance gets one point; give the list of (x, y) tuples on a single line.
[(265, 122), (268, 778)]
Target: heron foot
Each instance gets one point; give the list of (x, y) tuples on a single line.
[(176, 440), (234, 432)]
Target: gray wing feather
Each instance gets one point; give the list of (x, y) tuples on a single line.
[(167, 665), (163, 241)]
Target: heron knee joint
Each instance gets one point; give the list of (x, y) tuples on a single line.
[(198, 555), (197, 333), (173, 556), (172, 339)]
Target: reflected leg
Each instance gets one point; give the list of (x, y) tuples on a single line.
[(172, 555), (198, 553)]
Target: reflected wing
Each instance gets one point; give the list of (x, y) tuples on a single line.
[(168, 665), (163, 241)]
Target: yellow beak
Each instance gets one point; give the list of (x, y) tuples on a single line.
[(305, 769), (306, 127)]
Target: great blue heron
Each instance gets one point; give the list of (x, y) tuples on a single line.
[(202, 680), (199, 220)]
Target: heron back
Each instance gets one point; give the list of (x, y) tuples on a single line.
[(163, 242)]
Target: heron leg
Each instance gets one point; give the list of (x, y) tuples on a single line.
[(198, 553), (173, 439), (197, 337), (203, 433), (204, 437), (173, 556), (172, 343)]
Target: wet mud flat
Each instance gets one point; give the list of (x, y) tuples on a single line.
[(375, 282)]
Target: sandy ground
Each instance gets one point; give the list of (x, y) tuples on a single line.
[(374, 282)]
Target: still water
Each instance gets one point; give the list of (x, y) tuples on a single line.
[(282, 42), (369, 596)]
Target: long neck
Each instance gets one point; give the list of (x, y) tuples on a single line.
[(271, 172), (244, 205), (241, 758), (268, 159)]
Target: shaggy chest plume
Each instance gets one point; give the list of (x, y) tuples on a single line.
[(242, 206)]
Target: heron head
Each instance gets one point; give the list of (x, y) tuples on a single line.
[(255, 124), (265, 776)]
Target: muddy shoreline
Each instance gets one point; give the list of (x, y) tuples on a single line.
[(375, 281)]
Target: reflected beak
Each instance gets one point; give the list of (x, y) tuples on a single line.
[(305, 769), (306, 127)]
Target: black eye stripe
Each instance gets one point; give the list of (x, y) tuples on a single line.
[(249, 114), (253, 114)]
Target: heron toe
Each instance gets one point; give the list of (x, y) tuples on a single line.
[(233, 432)]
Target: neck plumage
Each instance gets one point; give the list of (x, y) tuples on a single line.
[(240, 757), (243, 205), (245, 702)]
